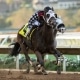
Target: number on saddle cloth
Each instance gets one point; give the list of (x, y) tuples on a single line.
[(24, 30)]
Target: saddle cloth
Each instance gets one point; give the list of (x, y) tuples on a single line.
[(24, 31)]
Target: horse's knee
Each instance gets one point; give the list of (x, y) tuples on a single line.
[(57, 52), (42, 63)]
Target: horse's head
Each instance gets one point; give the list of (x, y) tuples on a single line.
[(49, 16), (60, 25), (51, 19)]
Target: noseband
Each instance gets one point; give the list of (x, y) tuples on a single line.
[(47, 17)]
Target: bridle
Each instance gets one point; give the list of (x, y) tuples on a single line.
[(50, 18)]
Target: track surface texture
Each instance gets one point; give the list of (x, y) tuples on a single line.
[(11, 74)]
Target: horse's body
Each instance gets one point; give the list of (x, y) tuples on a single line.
[(43, 40)]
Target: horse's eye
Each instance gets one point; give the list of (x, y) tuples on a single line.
[(48, 15)]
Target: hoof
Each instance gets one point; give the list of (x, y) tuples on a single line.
[(35, 68), (28, 70), (25, 72), (58, 72), (58, 69), (45, 73)]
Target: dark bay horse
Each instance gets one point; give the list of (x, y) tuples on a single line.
[(43, 40)]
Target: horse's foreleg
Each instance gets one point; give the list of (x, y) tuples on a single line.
[(38, 62), (40, 59), (44, 71), (42, 55), (58, 55), (59, 58)]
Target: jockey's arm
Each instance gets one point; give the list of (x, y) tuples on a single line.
[(34, 20)]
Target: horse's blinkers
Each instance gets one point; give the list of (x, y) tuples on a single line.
[(50, 18)]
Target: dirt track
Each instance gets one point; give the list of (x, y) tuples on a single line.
[(20, 75)]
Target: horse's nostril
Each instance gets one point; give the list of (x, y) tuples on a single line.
[(63, 30)]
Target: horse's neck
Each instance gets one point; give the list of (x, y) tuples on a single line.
[(49, 34)]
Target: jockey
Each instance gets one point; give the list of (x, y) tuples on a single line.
[(37, 20)]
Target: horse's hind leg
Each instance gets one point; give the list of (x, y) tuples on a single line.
[(25, 51)]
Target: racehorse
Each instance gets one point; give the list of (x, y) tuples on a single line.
[(43, 40)]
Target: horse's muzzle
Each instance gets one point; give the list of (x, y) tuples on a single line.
[(62, 30)]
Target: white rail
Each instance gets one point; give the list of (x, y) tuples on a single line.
[(66, 40)]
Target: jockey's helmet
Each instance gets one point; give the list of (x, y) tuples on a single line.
[(46, 9)]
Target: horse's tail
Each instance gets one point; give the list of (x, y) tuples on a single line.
[(16, 49)]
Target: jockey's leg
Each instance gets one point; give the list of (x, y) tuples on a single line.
[(35, 24), (30, 27), (29, 30)]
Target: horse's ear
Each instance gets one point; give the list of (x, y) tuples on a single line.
[(52, 8)]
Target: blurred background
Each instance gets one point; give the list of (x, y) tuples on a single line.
[(15, 13)]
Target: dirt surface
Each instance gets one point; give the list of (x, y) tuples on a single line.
[(20, 75)]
